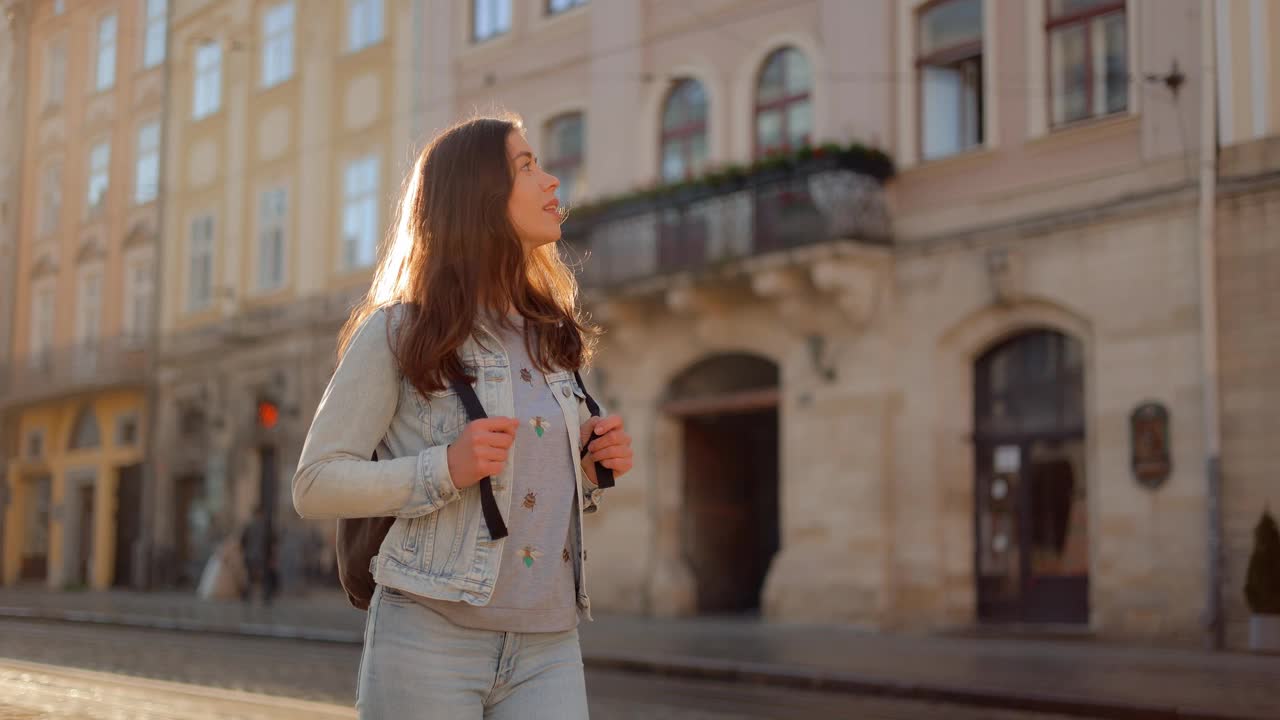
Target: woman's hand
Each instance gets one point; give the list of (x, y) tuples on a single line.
[(481, 450), (610, 445)]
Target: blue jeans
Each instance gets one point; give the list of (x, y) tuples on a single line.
[(417, 664)]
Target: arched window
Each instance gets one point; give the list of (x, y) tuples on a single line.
[(684, 131), (563, 154), (85, 434), (784, 102)]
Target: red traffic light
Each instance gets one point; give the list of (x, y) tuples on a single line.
[(268, 414)]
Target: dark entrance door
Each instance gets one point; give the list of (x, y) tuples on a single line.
[(128, 522), (728, 406), (84, 535), (731, 506), (1031, 521), (37, 497)]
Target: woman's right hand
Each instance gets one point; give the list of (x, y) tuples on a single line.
[(481, 450)]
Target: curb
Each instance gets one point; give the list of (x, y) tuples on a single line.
[(764, 674)]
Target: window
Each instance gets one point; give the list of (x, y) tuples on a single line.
[(277, 44), (42, 319), (99, 174), (684, 131), (784, 109), (200, 279), (364, 24), (271, 240), (208, 85), (139, 293), (55, 73), (489, 19), (153, 41), (558, 6), (35, 444), (85, 433), (127, 430), (1088, 59), (59, 6), (88, 306), (106, 67), (146, 177), (564, 154), (950, 64), (50, 198), (360, 213)]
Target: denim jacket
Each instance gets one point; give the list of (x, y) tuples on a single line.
[(439, 546)]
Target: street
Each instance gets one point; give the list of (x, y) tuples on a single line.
[(64, 670)]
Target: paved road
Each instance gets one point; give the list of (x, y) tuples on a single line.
[(62, 671)]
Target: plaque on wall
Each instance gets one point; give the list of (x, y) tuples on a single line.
[(1149, 439)]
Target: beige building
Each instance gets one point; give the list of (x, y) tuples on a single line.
[(289, 131), (974, 393), (78, 350)]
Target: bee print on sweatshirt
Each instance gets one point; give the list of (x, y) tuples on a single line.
[(530, 500), (528, 555), (565, 557), (526, 376), (539, 424)]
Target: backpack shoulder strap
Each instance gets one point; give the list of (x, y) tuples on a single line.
[(604, 476), (488, 503)]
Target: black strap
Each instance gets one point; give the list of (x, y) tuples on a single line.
[(604, 476), (488, 503)]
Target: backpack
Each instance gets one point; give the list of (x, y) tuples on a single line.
[(360, 539)]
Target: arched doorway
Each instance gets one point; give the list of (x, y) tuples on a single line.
[(1031, 510), (728, 409)]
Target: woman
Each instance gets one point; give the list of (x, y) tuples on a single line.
[(464, 624)]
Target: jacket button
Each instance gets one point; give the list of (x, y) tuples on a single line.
[(564, 391)]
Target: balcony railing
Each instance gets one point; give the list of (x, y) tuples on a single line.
[(108, 362), (706, 226)]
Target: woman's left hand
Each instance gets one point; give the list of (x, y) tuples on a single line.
[(610, 446)]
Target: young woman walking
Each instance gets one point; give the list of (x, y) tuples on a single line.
[(481, 579)]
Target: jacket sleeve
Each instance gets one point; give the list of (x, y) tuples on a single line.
[(336, 477)]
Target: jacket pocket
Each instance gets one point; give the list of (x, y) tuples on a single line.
[(445, 416)]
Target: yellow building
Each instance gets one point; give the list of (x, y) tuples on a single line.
[(76, 371), (288, 133)]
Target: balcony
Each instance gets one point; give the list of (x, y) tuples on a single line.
[(120, 361), (784, 204)]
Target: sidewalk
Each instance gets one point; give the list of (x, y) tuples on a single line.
[(1069, 677)]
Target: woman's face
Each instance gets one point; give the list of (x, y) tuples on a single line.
[(533, 207)]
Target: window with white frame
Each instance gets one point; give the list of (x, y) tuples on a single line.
[(99, 179), (364, 24), (50, 198), (43, 296), (207, 95), (684, 131), (105, 75), (88, 306), (153, 38), (564, 154), (950, 63), (55, 73), (784, 102), (555, 7), (1088, 59), (146, 176), (489, 19), (139, 294), (272, 218), (360, 213), (200, 264), (277, 44)]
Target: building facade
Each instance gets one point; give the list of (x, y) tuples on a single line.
[(288, 134), (78, 364), (988, 382)]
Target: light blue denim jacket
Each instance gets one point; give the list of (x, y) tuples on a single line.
[(439, 545)]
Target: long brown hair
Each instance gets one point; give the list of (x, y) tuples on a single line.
[(454, 252)]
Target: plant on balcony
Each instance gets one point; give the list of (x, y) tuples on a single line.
[(854, 157)]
